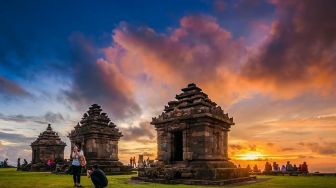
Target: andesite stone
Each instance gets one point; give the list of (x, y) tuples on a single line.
[(192, 140), (48, 146), (98, 137)]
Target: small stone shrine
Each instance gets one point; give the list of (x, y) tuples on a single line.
[(192, 147), (48, 146), (98, 137)]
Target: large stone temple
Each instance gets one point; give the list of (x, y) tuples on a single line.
[(47, 146), (192, 141), (98, 137)]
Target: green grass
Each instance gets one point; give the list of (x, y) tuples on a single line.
[(9, 178)]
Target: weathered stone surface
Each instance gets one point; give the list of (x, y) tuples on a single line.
[(98, 137), (192, 139), (47, 146)]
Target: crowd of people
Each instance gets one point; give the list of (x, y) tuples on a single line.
[(141, 163), (275, 168)]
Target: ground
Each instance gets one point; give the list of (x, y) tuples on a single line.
[(9, 178)]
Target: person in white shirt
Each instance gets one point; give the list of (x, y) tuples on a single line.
[(76, 166)]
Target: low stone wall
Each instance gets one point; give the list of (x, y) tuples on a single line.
[(195, 181), (192, 173)]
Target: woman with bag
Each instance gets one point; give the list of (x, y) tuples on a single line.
[(78, 160)]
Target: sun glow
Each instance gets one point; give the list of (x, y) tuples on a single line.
[(251, 156)]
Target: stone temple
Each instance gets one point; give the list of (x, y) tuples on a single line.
[(47, 146), (192, 141), (98, 137)]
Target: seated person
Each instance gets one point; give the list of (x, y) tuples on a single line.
[(98, 177)]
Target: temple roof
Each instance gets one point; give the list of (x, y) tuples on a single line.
[(191, 103), (95, 121), (48, 137)]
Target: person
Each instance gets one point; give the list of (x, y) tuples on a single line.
[(5, 163), (295, 168), (304, 168), (248, 168), (147, 161), (76, 166), (283, 169), (255, 169), (289, 167), (18, 164), (25, 162), (275, 167), (134, 162), (131, 162), (268, 168), (97, 176)]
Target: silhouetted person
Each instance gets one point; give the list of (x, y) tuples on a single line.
[(5, 163), (18, 166), (268, 168), (98, 177), (131, 162), (255, 169), (295, 168), (134, 162), (289, 167), (283, 169), (147, 161), (25, 162), (304, 168), (248, 168), (275, 167)]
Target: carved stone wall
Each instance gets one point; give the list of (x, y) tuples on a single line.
[(47, 146), (98, 137)]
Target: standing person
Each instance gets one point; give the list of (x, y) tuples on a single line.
[(134, 162), (97, 176), (131, 162), (76, 165), (18, 164), (147, 161), (5, 163), (283, 169)]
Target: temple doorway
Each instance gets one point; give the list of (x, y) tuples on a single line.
[(178, 146)]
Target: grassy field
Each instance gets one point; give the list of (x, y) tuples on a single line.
[(12, 179)]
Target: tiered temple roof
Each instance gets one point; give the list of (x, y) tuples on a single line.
[(95, 121), (48, 138), (191, 103)]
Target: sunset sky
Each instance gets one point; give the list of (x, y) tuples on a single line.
[(269, 64)]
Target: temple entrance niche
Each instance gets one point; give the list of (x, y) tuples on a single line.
[(177, 149)]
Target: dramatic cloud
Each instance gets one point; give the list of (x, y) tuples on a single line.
[(299, 54), (10, 88), (48, 117), (199, 51), (98, 81), (15, 138), (144, 130), (322, 148)]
